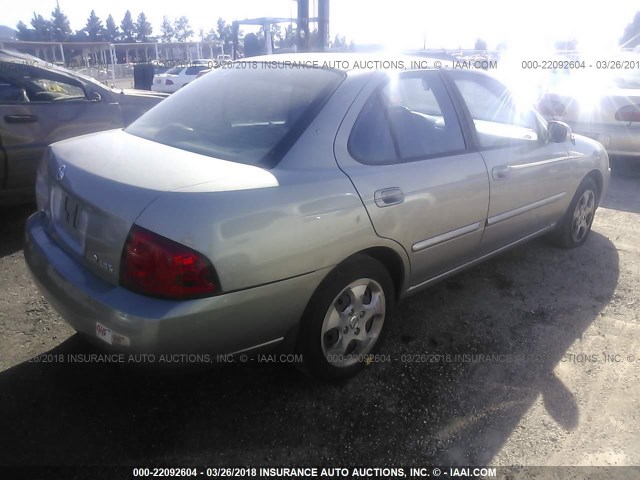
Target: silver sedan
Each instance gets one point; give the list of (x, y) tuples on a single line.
[(601, 104), (276, 203)]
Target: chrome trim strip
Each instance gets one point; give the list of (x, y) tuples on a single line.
[(430, 242), (541, 162), (277, 340), (484, 257), (532, 206)]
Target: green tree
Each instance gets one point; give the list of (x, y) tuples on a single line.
[(168, 32), (567, 45), (182, 28), (60, 28), (480, 44), (25, 33), (340, 42), (127, 27), (211, 35), (224, 34), (42, 28), (94, 27), (252, 45), (276, 35), (143, 27), (222, 29), (111, 32), (289, 39), (631, 36)]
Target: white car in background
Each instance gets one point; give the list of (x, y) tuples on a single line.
[(177, 77)]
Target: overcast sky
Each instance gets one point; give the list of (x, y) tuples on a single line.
[(398, 23)]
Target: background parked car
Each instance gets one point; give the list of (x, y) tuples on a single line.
[(316, 198), (601, 103), (42, 104), (177, 77)]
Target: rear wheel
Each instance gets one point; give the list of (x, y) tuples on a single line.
[(574, 227), (346, 319)]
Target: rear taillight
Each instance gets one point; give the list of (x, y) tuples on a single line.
[(629, 113), (158, 267), (168, 82)]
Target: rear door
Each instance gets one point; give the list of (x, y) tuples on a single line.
[(403, 147), (529, 176), (49, 107)]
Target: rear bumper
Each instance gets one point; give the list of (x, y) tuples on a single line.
[(224, 324), (164, 88)]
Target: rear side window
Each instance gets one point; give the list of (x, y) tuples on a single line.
[(497, 119), (246, 115), (410, 118), (195, 70)]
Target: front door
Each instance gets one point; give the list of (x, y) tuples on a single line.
[(528, 174)]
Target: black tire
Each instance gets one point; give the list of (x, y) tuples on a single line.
[(361, 327), (571, 232)]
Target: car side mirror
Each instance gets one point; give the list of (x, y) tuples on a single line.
[(559, 132), (95, 97)]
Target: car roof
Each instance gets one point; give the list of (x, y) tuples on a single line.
[(19, 58)]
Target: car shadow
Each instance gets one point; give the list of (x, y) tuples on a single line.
[(12, 227), (465, 360)]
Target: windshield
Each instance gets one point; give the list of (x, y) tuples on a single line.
[(247, 115)]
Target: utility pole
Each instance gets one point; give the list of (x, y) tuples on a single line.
[(323, 24), (303, 25)]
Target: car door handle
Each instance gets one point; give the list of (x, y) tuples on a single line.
[(21, 118), (388, 196), (500, 173)]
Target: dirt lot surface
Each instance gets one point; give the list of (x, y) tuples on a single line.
[(532, 358)]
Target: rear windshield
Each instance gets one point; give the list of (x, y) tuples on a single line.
[(246, 115), (627, 79)]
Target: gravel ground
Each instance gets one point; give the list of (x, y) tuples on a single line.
[(542, 369)]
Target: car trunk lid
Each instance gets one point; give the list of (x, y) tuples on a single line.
[(97, 185), (163, 77)]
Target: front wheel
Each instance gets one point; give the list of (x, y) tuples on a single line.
[(346, 319), (575, 225)]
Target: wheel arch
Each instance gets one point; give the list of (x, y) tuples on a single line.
[(393, 261), (596, 176), (394, 264)]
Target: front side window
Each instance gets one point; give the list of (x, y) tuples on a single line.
[(27, 84), (498, 120), (410, 118), (246, 115)]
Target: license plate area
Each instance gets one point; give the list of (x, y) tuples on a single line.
[(104, 333), (70, 218)]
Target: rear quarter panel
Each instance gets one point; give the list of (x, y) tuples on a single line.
[(311, 219)]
